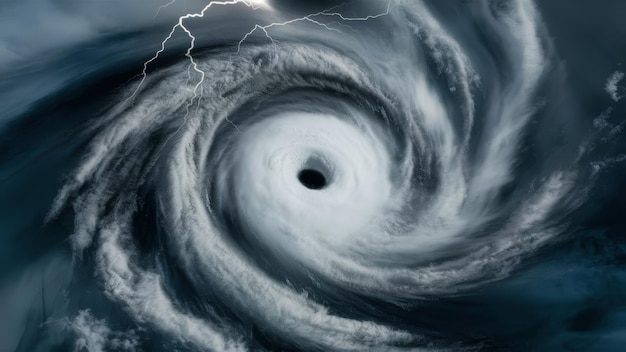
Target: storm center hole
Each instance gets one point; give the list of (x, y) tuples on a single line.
[(312, 179)]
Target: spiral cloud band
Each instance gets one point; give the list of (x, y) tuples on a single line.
[(316, 168)]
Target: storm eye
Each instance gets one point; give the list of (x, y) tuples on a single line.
[(312, 179)]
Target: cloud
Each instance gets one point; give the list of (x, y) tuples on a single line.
[(612, 87), (30, 28), (94, 335)]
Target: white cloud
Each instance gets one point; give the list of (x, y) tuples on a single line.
[(94, 335), (612, 85)]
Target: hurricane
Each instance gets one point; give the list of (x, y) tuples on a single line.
[(403, 175)]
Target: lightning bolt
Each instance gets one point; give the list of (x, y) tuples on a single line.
[(314, 18), (311, 18), (161, 8)]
